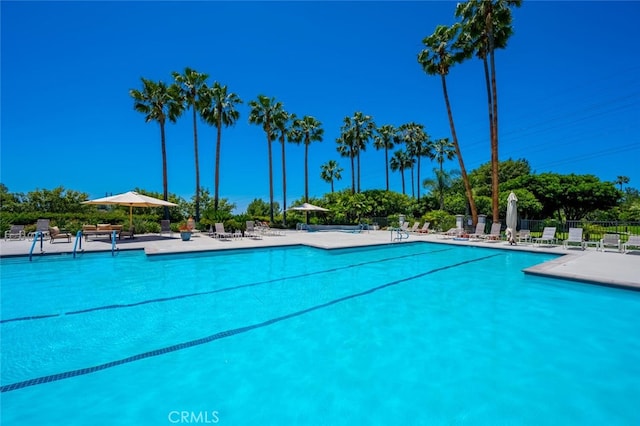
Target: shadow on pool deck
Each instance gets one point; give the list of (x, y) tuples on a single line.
[(605, 268)]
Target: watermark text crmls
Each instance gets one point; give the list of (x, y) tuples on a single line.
[(194, 417)]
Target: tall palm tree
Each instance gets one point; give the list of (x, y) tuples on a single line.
[(622, 180), (283, 122), (486, 27), (263, 113), (401, 161), (417, 141), (308, 130), (331, 171), (346, 148), (219, 109), (436, 59), (385, 139), (442, 149), (191, 84), (362, 127), (158, 102)]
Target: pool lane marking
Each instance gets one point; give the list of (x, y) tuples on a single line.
[(220, 290), (223, 334)]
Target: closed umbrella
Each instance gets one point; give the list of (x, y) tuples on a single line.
[(131, 199), (512, 213)]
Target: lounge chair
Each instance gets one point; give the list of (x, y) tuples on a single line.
[(42, 225), (251, 232), (611, 240), (415, 227), (479, 233), (165, 227), (634, 241), (220, 233), (494, 233), (524, 236), (453, 233), (265, 229), (548, 236), (56, 233), (15, 233), (575, 237), (129, 233), (424, 229)]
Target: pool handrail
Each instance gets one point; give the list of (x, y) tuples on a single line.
[(33, 245), (75, 244), (113, 243)]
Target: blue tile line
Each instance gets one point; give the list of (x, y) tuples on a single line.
[(223, 334), (204, 293)]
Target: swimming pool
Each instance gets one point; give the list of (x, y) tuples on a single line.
[(400, 334)]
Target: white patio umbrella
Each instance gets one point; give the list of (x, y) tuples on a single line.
[(131, 199), (512, 212), (306, 208)]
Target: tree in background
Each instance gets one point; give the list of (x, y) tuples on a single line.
[(219, 109), (622, 180), (263, 113), (417, 142), (361, 128), (346, 148), (308, 130), (284, 124), (436, 59), (158, 102), (441, 184), (440, 150), (486, 26), (384, 138), (400, 162), (191, 85), (331, 171)]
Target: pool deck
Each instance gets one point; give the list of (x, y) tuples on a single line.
[(609, 268)]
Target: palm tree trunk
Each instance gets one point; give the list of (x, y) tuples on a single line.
[(217, 176), (195, 147), (353, 174), (495, 183), (284, 184), (386, 163), (418, 176), (358, 170), (165, 180), (413, 193), (441, 191), (494, 159), (402, 174), (332, 185), (268, 129), (306, 171), (463, 171)]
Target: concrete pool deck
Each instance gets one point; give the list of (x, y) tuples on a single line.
[(608, 268)]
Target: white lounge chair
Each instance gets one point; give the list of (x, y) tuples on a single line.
[(634, 241), (524, 236), (611, 240), (15, 233), (424, 229), (251, 232), (575, 237), (548, 236), (479, 233), (494, 233), (220, 233)]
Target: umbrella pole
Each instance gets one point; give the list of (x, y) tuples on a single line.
[(130, 216)]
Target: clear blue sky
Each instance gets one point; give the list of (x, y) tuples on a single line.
[(568, 82)]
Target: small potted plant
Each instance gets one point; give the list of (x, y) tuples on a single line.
[(185, 231)]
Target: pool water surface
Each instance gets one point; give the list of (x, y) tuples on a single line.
[(415, 333)]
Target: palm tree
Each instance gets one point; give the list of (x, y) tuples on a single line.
[(263, 113), (346, 149), (191, 84), (308, 130), (622, 180), (218, 109), (401, 161), (281, 121), (417, 141), (486, 27), (385, 139), (331, 171), (362, 127), (436, 59), (440, 184), (441, 149), (158, 102)]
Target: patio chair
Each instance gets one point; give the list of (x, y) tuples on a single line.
[(634, 241), (251, 232), (220, 233), (452, 233), (165, 227), (415, 227), (494, 233), (479, 232), (548, 236), (15, 233), (575, 237), (129, 233), (611, 240), (524, 236), (42, 225), (56, 233), (424, 229)]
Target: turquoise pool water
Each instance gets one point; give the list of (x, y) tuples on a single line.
[(403, 334)]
